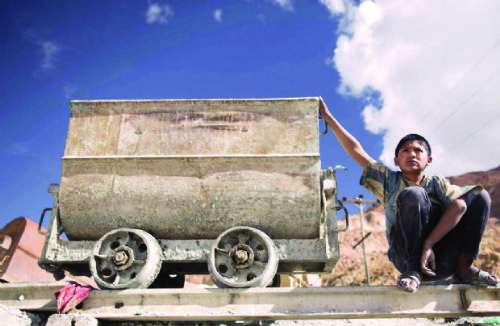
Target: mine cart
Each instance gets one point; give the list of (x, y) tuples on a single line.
[(153, 190)]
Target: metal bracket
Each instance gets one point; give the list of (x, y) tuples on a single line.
[(322, 133), (342, 207), (41, 220)]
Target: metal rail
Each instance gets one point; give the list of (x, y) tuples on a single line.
[(213, 304)]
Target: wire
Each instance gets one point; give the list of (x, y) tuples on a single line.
[(461, 106), (463, 78), (476, 131)]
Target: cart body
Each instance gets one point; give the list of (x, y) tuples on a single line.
[(184, 171)]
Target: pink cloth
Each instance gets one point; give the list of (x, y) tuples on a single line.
[(70, 295)]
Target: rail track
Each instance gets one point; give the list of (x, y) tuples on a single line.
[(214, 304)]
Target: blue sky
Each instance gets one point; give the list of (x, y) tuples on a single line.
[(384, 68)]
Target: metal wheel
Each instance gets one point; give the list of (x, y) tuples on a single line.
[(243, 257), (125, 258)]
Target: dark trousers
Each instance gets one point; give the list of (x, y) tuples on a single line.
[(416, 218)]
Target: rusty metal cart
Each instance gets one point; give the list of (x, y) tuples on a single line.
[(152, 190)]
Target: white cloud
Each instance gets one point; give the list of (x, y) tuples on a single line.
[(218, 15), (49, 49), (334, 6), (284, 4), (49, 52), (435, 66), (159, 14)]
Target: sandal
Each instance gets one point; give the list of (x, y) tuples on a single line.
[(413, 276), (484, 278)]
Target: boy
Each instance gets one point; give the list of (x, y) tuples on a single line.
[(433, 228)]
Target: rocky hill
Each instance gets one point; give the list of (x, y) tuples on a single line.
[(490, 180), (350, 269)]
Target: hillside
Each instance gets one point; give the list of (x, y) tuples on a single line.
[(350, 269), (490, 180)]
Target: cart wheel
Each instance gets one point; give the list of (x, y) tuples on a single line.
[(243, 257), (125, 258)]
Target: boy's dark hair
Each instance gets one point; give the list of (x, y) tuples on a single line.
[(416, 137)]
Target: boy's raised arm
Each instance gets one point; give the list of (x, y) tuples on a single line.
[(350, 144)]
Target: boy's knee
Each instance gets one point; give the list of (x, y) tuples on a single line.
[(412, 197), (412, 202), (484, 198), (481, 202)]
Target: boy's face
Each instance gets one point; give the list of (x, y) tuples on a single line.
[(412, 157)]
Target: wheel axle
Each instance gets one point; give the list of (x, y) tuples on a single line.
[(122, 258), (242, 256)]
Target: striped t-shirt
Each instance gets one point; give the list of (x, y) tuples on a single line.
[(386, 185)]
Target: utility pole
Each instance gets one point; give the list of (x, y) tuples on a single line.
[(358, 201)]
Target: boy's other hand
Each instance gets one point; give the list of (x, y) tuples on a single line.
[(428, 261)]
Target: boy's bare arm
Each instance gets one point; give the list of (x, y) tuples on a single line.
[(350, 144), (448, 221)]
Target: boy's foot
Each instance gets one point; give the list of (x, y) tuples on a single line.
[(409, 281), (477, 277)]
